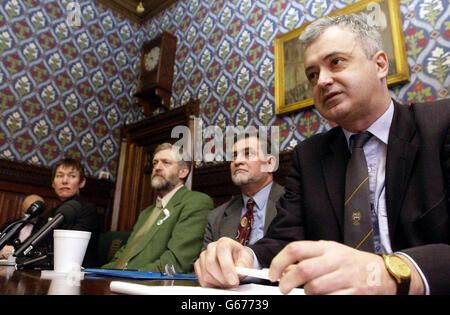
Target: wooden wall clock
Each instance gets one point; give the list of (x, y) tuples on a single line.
[(156, 72)]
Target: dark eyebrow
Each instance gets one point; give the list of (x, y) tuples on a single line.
[(308, 68), (245, 149), (329, 56), (163, 160)]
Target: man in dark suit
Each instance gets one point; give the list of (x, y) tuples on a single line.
[(408, 178), (251, 170)]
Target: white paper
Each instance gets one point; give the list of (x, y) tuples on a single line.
[(254, 273), (245, 289)]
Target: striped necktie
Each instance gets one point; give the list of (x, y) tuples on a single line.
[(358, 231)]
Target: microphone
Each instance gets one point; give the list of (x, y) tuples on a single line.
[(35, 209), (65, 216)]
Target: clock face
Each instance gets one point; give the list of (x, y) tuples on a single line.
[(152, 58)]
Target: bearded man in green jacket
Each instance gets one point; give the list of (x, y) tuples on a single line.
[(170, 231)]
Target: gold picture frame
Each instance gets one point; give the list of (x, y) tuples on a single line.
[(292, 91)]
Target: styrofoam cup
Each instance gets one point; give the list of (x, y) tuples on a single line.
[(62, 286), (69, 249)]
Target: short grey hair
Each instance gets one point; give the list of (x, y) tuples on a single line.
[(362, 28), (169, 146)]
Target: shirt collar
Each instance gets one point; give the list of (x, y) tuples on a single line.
[(165, 200), (380, 128), (260, 198)]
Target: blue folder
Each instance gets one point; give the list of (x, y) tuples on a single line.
[(138, 275)]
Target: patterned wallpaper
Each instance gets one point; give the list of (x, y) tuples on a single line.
[(226, 58), (65, 90)]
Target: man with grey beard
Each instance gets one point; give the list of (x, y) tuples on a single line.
[(247, 216), (170, 231)]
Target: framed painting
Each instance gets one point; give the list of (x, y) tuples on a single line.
[(292, 91)]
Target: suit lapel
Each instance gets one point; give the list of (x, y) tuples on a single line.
[(401, 153), (334, 163), (275, 193), (232, 216), (173, 208)]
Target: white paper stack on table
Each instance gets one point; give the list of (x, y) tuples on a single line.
[(245, 289)]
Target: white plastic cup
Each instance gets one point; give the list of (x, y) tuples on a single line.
[(69, 249), (62, 286)]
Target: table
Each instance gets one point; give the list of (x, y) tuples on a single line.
[(30, 282)]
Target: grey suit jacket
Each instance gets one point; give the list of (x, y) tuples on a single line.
[(224, 220)]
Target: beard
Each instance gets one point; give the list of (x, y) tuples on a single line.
[(163, 183), (242, 178)]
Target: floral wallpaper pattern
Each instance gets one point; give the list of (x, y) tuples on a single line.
[(67, 89)]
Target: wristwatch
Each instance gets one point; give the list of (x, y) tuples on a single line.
[(399, 270)]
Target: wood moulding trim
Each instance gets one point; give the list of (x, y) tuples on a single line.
[(12, 171), (152, 129), (128, 9)]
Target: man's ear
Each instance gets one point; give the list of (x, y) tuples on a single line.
[(270, 165), (82, 183), (183, 172), (382, 64)]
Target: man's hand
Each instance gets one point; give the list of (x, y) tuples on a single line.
[(326, 267), (216, 265)]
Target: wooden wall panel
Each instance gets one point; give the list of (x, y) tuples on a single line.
[(215, 180)]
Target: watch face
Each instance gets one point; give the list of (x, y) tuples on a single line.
[(152, 58), (399, 266)]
